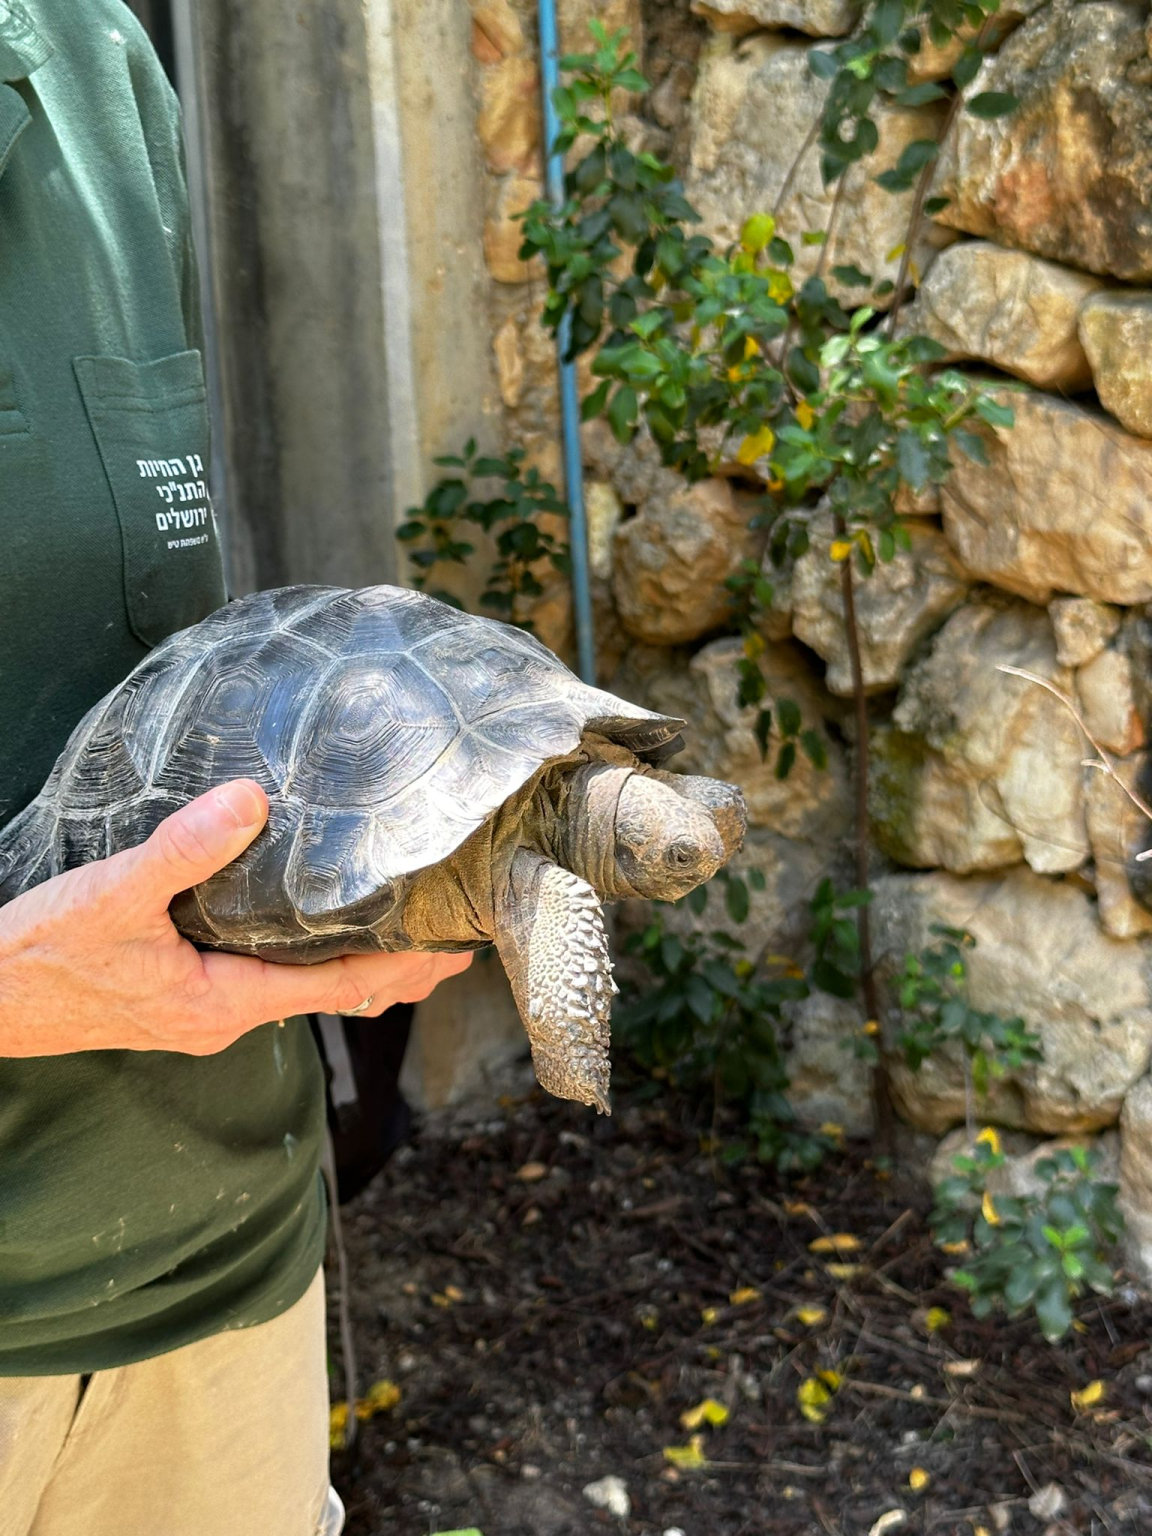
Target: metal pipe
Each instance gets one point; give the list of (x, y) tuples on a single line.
[(569, 394)]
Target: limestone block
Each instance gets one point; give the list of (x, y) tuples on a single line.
[(1105, 690), (509, 362), (828, 1081), (616, 15), (1063, 505), (1117, 831), (671, 560), (1116, 333), (504, 234), (899, 605), (1007, 308), (980, 768), (819, 18), (1082, 628), (721, 741), (1040, 955), (604, 513), (754, 103), (1067, 175), (1136, 1178), (509, 123), (937, 63), (496, 30)]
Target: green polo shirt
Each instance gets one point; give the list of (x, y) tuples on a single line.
[(147, 1199)]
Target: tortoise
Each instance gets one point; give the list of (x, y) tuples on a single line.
[(435, 780)]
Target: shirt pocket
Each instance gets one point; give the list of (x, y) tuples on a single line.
[(150, 422)]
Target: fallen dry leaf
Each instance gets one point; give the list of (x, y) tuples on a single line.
[(844, 1271), (811, 1316), (687, 1457), (837, 1242), (532, 1173), (892, 1521), (745, 1294), (1087, 1396), (707, 1412)]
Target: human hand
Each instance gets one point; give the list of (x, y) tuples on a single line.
[(90, 960)]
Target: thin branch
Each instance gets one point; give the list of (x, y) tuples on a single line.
[(786, 185), (1102, 761)]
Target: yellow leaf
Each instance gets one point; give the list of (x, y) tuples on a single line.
[(988, 1210), (871, 1028), (744, 1295), (438, 1299), (650, 1319), (895, 253), (840, 550), (775, 484), (337, 1424), (838, 1242), (936, 1318), (689, 1457), (755, 446), (751, 347), (830, 1128), (991, 1136), (805, 415), (918, 1479), (380, 1396), (780, 288), (707, 1412), (811, 1316), (981, 1530), (955, 1248), (813, 1397), (797, 1208), (453, 1293), (708, 1315), (844, 1271), (1087, 1396), (831, 1379)]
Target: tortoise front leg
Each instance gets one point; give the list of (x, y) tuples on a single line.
[(550, 935)]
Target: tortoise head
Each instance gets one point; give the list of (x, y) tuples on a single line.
[(638, 832)]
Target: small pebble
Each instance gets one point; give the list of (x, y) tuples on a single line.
[(1047, 1502), (611, 1494), (673, 1530), (530, 1473)]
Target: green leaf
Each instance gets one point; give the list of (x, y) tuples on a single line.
[(912, 459), (736, 899), (990, 104), (822, 64), (815, 749), (786, 760), (622, 413), (967, 67), (851, 276), (788, 716)]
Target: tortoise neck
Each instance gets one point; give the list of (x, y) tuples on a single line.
[(586, 826)]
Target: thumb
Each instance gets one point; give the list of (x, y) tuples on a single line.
[(198, 839)]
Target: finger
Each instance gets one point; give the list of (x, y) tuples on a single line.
[(244, 991), (194, 842)]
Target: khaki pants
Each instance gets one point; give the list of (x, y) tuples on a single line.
[(227, 1437)]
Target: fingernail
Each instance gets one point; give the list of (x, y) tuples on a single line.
[(243, 804)]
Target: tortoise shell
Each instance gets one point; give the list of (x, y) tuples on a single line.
[(385, 727)]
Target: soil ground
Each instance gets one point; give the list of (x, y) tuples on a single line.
[(551, 1292)]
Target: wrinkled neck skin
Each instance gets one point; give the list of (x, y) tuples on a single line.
[(586, 825)]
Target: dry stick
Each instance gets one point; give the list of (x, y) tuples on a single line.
[(881, 1088)]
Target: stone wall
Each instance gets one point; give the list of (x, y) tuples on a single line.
[(1039, 270)]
